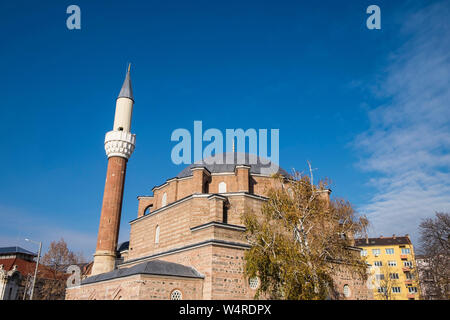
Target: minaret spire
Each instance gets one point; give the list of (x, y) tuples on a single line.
[(127, 90)]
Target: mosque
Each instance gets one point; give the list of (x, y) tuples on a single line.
[(187, 239)]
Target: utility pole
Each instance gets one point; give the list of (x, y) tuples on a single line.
[(37, 265)]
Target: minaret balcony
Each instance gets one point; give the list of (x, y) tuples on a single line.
[(119, 144)]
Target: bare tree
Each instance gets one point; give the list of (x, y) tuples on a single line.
[(52, 285), (435, 246)]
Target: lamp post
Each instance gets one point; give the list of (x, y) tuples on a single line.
[(37, 264)]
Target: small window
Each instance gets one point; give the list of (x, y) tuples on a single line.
[(393, 276), (406, 251), (409, 276), (222, 187), (392, 263), (376, 252), (407, 264), (176, 295), (164, 200), (148, 210), (363, 253), (390, 251), (412, 289), (346, 291), (378, 263), (253, 282), (396, 289), (157, 235), (379, 276), (381, 289), (120, 129)]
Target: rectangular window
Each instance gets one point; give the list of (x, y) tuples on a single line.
[(392, 263), (408, 264), (396, 289), (378, 263), (409, 276), (376, 252), (406, 251), (363, 253), (412, 289), (379, 276), (390, 251), (393, 276), (381, 289)]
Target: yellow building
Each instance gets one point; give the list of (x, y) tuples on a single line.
[(393, 272)]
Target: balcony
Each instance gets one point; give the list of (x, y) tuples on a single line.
[(404, 256), (408, 281), (411, 296)]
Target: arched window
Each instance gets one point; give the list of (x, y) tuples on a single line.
[(148, 210), (253, 282), (222, 187), (157, 235), (346, 291), (164, 200), (176, 295)]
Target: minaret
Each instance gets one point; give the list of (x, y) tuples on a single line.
[(119, 145)]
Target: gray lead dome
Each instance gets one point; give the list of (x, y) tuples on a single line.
[(258, 165)]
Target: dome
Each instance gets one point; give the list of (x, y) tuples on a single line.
[(258, 165)]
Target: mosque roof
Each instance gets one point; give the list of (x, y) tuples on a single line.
[(220, 164), (153, 267)]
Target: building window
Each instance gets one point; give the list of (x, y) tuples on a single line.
[(379, 276), (176, 295), (148, 210), (346, 291), (412, 289), (222, 187), (378, 263), (390, 251), (164, 200), (381, 289), (393, 276), (376, 252), (396, 289), (409, 276), (253, 282), (392, 263), (157, 235), (363, 253), (408, 264), (406, 251)]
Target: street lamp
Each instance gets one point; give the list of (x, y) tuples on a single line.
[(37, 264)]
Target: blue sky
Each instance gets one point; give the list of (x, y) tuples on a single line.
[(368, 108)]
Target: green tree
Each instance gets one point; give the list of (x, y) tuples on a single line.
[(298, 237)]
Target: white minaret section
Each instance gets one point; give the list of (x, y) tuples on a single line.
[(120, 142), (124, 110)]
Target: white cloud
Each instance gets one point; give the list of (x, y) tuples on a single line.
[(408, 143)]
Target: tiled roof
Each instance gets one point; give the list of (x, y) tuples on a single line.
[(9, 250), (382, 241), (154, 267)]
